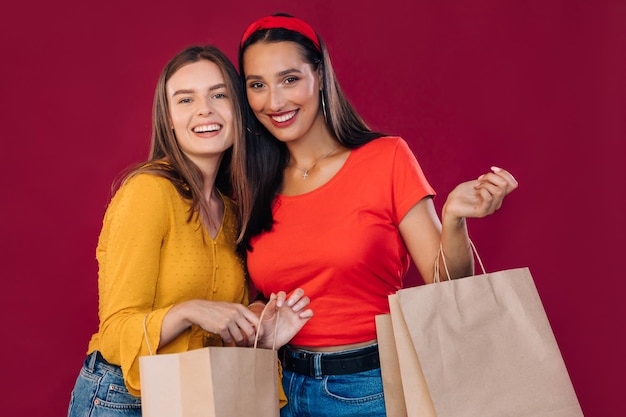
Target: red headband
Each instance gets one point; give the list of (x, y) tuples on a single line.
[(283, 22)]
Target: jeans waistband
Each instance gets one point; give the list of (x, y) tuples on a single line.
[(95, 362), (331, 363)]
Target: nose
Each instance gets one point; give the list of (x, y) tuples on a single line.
[(205, 107), (276, 99)]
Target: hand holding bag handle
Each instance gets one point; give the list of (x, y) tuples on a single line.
[(256, 336)]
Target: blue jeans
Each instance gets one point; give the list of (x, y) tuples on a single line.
[(100, 391), (358, 394)]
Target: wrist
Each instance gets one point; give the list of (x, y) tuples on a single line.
[(451, 221), (181, 313)]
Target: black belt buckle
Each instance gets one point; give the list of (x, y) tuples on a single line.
[(305, 360)]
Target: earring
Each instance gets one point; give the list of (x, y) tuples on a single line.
[(323, 106)]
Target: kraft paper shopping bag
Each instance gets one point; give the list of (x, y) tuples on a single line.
[(486, 347), (210, 382), (404, 386)]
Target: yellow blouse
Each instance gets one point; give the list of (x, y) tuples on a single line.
[(150, 258)]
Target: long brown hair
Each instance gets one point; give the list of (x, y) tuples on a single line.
[(167, 160)]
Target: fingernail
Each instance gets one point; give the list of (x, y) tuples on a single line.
[(496, 169), (481, 177)]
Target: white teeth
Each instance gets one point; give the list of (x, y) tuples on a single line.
[(284, 117), (206, 128)]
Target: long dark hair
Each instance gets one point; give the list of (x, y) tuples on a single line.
[(267, 157), (167, 160)]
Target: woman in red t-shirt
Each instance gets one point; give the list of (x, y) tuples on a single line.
[(337, 210)]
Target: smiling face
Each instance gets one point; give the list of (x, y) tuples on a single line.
[(283, 89), (201, 111)]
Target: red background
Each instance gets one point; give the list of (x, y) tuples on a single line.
[(534, 86)]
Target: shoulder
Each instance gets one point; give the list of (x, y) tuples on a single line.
[(145, 190), (385, 144), (148, 184), (385, 148)]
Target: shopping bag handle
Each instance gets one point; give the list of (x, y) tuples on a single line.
[(256, 336), (145, 333), (441, 255)]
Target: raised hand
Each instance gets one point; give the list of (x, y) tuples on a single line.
[(480, 197)]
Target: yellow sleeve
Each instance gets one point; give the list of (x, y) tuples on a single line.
[(282, 398), (135, 224)]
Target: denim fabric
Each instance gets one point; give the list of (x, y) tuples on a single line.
[(100, 391), (358, 394)]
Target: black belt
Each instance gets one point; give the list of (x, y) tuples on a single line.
[(303, 362)]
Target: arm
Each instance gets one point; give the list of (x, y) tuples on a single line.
[(233, 322), (128, 259), (236, 323), (422, 232)]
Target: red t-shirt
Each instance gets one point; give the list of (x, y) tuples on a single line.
[(341, 244)]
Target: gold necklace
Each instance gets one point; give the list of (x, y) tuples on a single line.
[(305, 172)]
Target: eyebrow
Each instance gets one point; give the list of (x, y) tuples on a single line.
[(191, 91), (280, 74)]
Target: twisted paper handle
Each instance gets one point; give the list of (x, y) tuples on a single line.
[(256, 337), (441, 255)]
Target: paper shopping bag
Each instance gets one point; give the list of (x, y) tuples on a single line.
[(404, 386), (486, 348), (210, 382)]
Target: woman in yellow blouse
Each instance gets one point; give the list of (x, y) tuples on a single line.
[(167, 252)]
